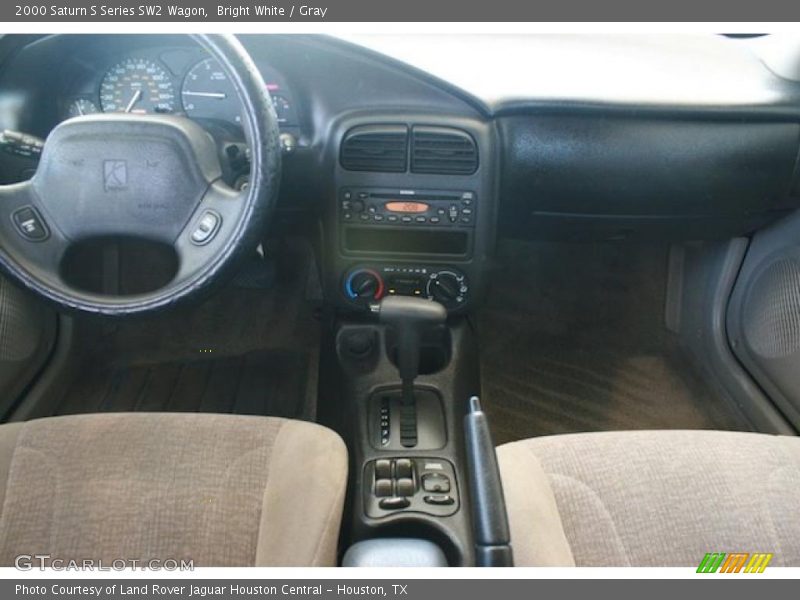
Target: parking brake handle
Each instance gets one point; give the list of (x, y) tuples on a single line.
[(489, 517)]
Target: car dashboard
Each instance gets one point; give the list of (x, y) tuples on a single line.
[(413, 174)]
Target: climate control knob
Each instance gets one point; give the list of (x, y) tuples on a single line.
[(364, 284), (447, 288)]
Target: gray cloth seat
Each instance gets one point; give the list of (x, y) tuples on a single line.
[(651, 498), (221, 490)]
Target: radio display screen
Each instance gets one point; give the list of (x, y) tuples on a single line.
[(404, 206)]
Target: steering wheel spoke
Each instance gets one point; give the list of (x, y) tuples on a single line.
[(28, 234), (213, 222)]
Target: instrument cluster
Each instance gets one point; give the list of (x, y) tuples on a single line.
[(178, 81)]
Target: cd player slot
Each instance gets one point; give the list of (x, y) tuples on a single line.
[(414, 197)]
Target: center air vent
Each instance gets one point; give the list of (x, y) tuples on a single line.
[(444, 151), (382, 148)]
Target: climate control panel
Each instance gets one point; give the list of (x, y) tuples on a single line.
[(368, 283)]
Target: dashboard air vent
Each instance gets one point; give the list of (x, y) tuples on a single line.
[(382, 148), (444, 151)]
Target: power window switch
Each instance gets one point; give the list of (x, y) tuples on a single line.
[(405, 487), (404, 468), (383, 488), (383, 468)]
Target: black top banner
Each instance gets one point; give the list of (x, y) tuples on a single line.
[(401, 10)]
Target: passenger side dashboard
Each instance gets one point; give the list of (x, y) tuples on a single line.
[(606, 175)]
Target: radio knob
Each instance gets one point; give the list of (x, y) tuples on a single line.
[(364, 284), (446, 288)]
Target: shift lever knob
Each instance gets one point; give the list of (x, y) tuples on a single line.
[(409, 317)]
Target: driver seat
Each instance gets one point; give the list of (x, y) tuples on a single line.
[(221, 490)]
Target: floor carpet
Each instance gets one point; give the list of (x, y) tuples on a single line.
[(244, 350), (573, 339)]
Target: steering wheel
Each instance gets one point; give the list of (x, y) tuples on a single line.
[(149, 176)]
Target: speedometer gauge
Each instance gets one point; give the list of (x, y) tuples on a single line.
[(137, 85), (207, 93)]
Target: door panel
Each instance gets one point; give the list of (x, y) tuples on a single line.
[(764, 314)]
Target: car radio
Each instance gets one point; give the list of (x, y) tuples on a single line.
[(409, 208)]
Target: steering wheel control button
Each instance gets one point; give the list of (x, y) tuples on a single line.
[(206, 228), (29, 224), (436, 482)]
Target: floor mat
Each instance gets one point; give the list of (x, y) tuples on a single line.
[(259, 383), (572, 339), (244, 350)]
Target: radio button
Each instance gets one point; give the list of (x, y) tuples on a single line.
[(392, 218), (434, 220), (406, 219), (452, 213), (378, 217), (421, 219)]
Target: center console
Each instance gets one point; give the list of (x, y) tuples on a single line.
[(408, 468), (412, 211), (408, 231)]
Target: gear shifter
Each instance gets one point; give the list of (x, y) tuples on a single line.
[(409, 317)]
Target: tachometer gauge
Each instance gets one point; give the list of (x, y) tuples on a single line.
[(207, 93), (137, 85), (80, 107)]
